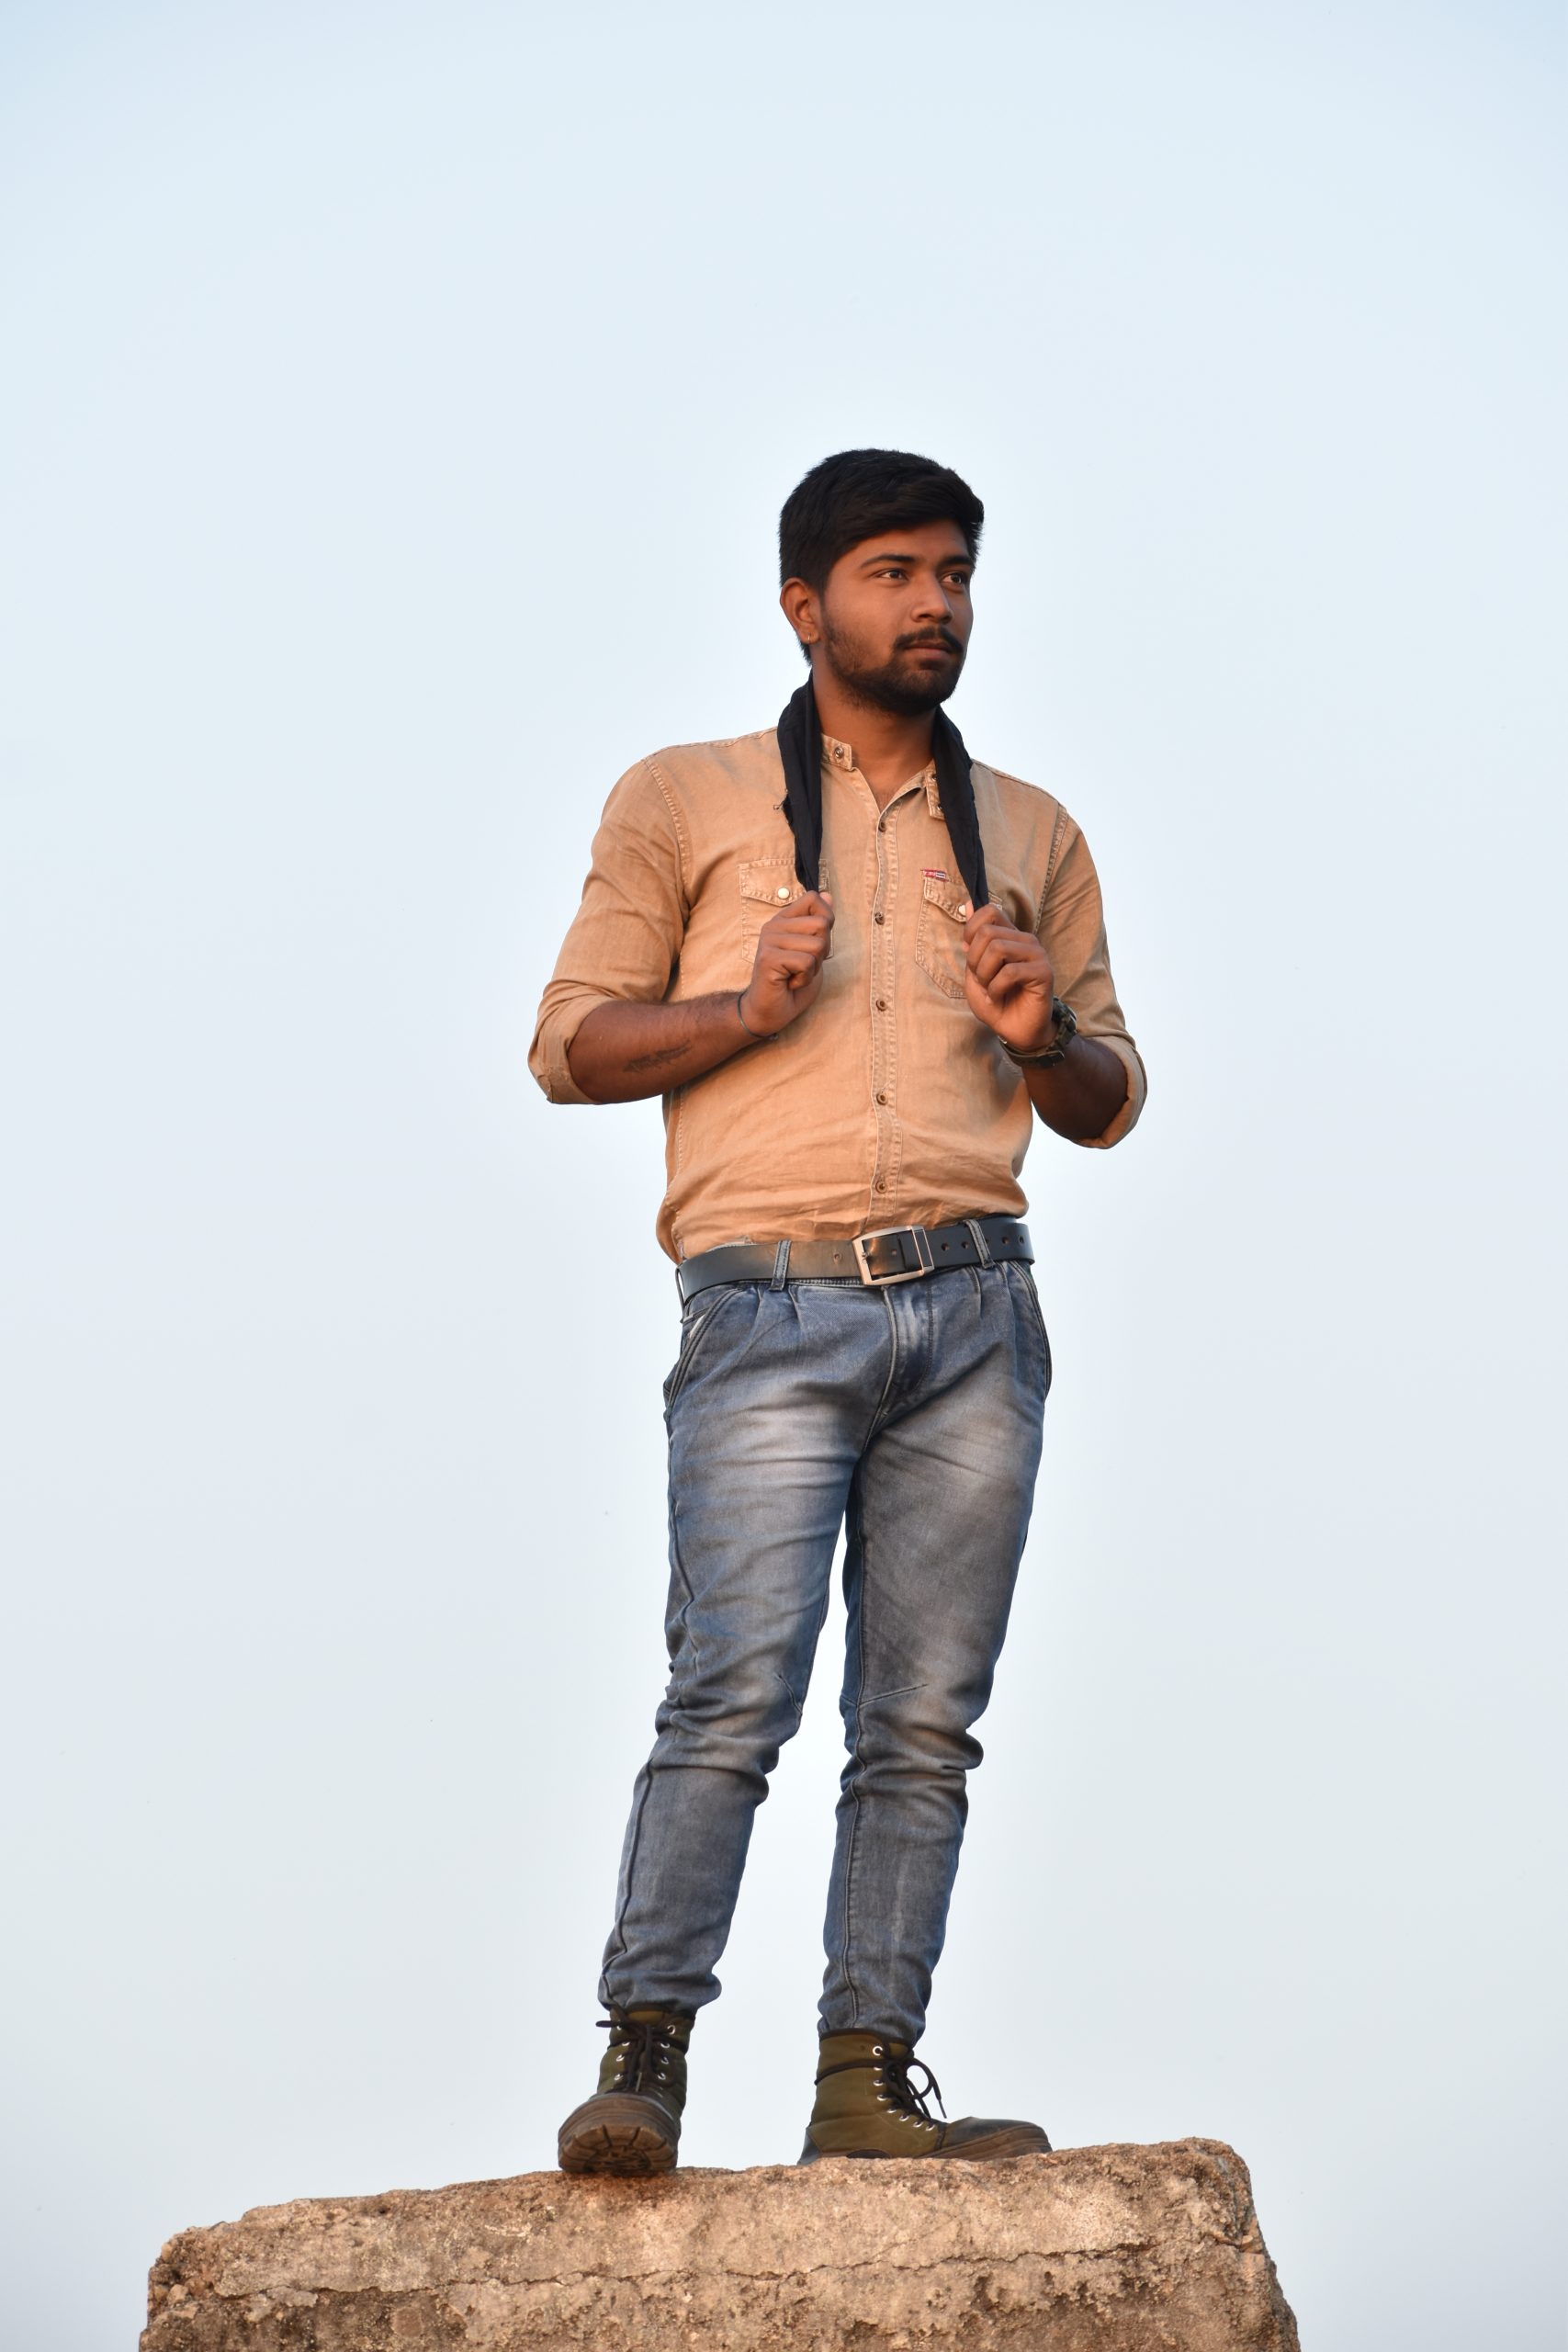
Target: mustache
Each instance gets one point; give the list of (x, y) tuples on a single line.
[(941, 637)]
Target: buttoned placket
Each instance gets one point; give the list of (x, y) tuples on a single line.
[(884, 961), (688, 864)]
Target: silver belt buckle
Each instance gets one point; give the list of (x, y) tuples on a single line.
[(911, 1274)]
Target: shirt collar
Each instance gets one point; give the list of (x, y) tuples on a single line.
[(842, 756)]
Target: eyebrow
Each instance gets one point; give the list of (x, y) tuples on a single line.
[(891, 555)]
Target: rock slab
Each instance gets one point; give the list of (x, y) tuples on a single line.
[(1116, 2249)]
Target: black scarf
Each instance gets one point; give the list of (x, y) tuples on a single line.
[(800, 746)]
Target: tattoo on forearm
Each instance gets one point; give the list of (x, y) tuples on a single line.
[(659, 1060)]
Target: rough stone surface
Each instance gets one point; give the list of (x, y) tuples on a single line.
[(1092, 2250)]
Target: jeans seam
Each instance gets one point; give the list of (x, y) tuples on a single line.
[(618, 1934), (688, 1643), (852, 1855), (853, 1844)]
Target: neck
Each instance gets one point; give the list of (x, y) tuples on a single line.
[(889, 747)]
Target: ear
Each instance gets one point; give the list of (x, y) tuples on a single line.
[(802, 607)]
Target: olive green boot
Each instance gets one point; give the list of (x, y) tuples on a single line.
[(867, 2105), (632, 2125)]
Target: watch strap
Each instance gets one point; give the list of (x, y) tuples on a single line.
[(1047, 1056)]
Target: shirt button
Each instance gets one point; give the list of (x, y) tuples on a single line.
[(782, 892), (880, 916), (881, 1184), (882, 1004), (882, 1098)]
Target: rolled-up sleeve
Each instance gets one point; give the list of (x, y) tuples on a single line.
[(626, 934), (1072, 930)]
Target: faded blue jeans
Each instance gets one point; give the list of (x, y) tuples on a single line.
[(913, 1412)]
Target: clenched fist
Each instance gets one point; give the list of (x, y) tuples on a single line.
[(1010, 983), (787, 976)]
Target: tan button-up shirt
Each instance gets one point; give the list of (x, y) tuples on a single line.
[(887, 1102)]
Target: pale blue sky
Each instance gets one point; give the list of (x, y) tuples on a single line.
[(397, 405)]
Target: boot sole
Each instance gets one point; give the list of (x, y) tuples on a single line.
[(1022, 2140), (991, 2147), (618, 2136)]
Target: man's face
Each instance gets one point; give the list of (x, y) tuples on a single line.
[(893, 623)]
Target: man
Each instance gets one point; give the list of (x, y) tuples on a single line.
[(857, 966)]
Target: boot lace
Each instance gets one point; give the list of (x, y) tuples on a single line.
[(647, 2043), (893, 2075)]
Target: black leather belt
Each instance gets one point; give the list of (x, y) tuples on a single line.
[(897, 1253)]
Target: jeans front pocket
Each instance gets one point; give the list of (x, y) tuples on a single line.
[(1026, 1301), (702, 1311)]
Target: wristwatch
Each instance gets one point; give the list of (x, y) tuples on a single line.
[(1047, 1056)]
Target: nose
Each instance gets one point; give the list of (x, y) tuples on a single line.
[(933, 601)]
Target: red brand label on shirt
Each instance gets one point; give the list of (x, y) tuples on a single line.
[(936, 873)]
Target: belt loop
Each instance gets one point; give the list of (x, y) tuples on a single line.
[(781, 1266), (981, 1244)]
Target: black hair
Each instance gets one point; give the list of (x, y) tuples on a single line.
[(852, 496)]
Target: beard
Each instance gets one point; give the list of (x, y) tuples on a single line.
[(894, 684)]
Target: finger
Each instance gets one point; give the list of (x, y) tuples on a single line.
[(986, 919), (999, 987), (792, 959), (1009, 981), (810, 902), (1018, 953), (1011, 943), (801, 917), (812, 937)]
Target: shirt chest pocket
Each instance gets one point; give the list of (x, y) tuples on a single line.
[(767, 885), (939, 940)]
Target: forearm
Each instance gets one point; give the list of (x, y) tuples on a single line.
[(624, 1052), (1080, 1097)]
